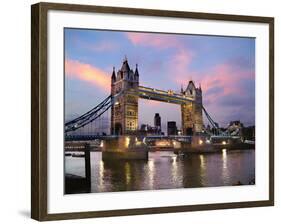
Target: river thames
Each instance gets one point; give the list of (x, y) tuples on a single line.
[(165, 170)]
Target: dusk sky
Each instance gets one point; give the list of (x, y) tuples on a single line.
[(224, 66)]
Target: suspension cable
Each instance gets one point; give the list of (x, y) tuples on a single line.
[(90, 112)]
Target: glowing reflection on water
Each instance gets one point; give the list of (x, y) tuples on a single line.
[(225, 172), (165, 170), (151, 173), (202, 169), (101, 175), (128, 173), (175, 169), (202, 162)]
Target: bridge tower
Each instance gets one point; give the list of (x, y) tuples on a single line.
[(124, 112), (192, 119)]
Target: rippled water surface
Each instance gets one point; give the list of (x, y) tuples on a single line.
[(165, 170)]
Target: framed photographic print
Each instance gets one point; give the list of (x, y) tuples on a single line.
[(139, 111)]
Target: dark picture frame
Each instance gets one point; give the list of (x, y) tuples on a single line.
[(39, 108)]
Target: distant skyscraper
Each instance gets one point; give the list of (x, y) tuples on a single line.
[(172, 128), (143, 127), (157, 122)]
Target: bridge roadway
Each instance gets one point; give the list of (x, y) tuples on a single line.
[(164, 96)]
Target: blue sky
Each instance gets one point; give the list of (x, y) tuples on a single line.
[(224, 66)]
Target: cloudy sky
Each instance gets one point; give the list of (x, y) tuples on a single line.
[(224, 66)]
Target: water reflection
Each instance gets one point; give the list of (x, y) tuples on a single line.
[(128, 172), (101, 172), (225, 170), (175, 168), (164, 170), (202, 169), (151, 173)]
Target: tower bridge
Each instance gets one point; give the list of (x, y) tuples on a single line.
[(124, 98), (124, 112)]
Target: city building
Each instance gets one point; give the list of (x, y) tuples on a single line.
[(172, 128), (235, 124), (248, 133), (157, 122), (235, 127), (147, 130)]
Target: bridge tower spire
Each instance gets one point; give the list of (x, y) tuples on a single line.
[(124, 112), (113, 76)]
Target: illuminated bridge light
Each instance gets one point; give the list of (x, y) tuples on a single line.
[(101, 144), (127, 142)]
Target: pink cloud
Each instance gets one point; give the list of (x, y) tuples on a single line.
[(224, 94), (87, 73), (217, 82), (227, 76), (178, 66), (179, 61), (154, 40)]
